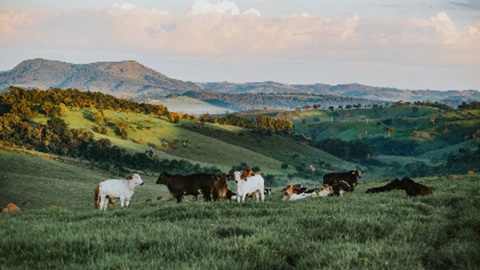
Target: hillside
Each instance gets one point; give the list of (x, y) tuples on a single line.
[(406, 139), (109, 77)]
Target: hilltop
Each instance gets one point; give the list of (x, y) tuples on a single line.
[(108, 77)]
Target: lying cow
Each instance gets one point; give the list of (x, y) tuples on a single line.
[(350, 178), (290, 190), (411, 187), (297, 192), (118, 189), (341, 188), (253, 184), (194, 184), (394, 184)]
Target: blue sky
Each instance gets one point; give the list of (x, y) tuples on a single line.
[(403, 44)]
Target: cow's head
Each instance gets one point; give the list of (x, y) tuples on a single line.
[(237, 175), (220, 185), (135, 179), (163, 178), (246, 173), (359, 173)]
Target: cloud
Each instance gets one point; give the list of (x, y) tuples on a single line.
[(221, 30), (15, 23)]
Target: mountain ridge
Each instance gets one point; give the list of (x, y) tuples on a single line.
[(132, 78), (108, 77)]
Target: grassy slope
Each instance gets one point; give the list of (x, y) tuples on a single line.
[(40, 181), (226, 147), (436, 140), (370, 231)]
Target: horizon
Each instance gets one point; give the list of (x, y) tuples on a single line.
[(266, 81), (393, 44)]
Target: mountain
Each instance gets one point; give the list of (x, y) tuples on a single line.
[(107, 77), (147, 85), (354, 90)]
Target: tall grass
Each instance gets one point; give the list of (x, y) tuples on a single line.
[(356, 231)]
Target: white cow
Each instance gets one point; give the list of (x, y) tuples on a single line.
[(252, 184), (119, 188)]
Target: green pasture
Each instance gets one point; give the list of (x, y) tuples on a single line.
[(206, 144), (356, 231)]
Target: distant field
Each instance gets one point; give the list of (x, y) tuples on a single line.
[(183, 104)]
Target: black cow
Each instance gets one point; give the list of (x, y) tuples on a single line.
[(351, 177), (194, 184), (394, 184), (411, 187)]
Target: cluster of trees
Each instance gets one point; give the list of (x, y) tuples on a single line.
[(474, 105), (27, 103), (356, 151), (261, 124)]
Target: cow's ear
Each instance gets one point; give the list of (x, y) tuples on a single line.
[(129, 177), (354, 172)]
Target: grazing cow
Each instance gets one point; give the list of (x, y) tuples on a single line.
[(251, 184), (119, 188), (96, 198), (350, 177), (411, 187), (194, 184)]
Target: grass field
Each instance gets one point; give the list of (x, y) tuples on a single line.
[(356, 231)]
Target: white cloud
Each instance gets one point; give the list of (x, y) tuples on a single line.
[(125, 6), (221, 30), (221, 7)]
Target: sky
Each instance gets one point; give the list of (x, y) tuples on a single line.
[(405, 44)]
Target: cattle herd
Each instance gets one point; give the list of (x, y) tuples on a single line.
[(248, 184)]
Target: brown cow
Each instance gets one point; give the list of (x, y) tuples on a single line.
[(220, 187), (351, 178), (289, 190), (414, 189), (394, 184), (411, 187), (194, 184)]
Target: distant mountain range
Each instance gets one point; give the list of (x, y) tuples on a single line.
[(133, 79)]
